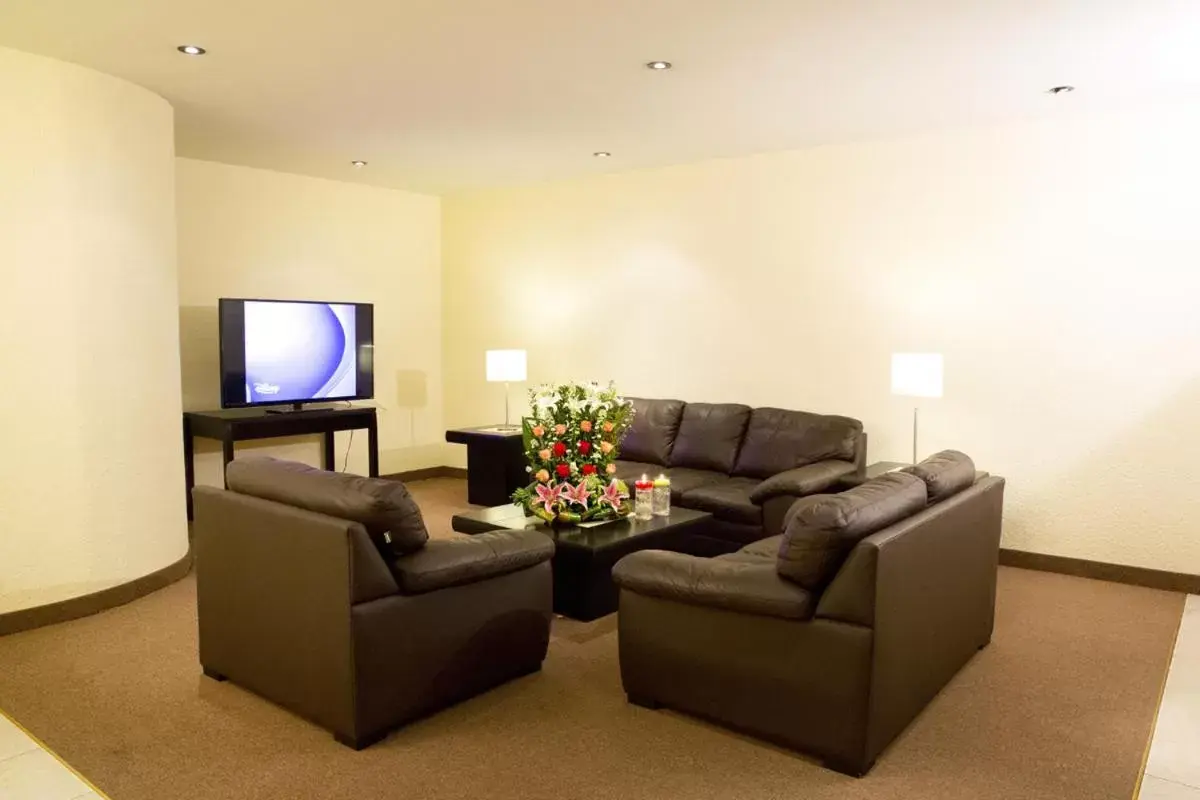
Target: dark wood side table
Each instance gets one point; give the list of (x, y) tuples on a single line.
[(495, 463), (584, 556), (242, 424), (872, 471)]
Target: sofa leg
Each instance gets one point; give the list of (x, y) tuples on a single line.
[(216, 676), (853, 769), (360, 742), (643, 702)]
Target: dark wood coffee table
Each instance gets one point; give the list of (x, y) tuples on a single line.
[(584, 557)]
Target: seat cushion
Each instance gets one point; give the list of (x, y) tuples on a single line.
[(825, 528), (383, 507), (710, 435), (945, 474), (763, 548), (729, 499), (653, 431), (443, 563), (778, 440)]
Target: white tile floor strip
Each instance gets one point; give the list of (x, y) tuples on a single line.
[(1173, 769), (28, 772)]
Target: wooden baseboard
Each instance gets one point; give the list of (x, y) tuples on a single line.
[(1099, 570), (427, 472), (85, 605)]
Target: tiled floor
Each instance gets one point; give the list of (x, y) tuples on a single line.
[(28, 772), (1173, 769)]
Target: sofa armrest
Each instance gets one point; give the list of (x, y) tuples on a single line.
[(731, 585), (442, 563), (801, 481)]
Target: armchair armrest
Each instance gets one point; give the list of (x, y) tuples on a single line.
[(442, 563), (728, 584), (801, 481)]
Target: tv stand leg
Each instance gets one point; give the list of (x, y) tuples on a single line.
[(226, 456), (327, 457)]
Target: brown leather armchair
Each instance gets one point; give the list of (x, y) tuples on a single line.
[(322, 593), (832, 637)]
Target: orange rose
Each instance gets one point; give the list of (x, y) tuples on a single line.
[(543, 476), (608, 427), (606, 447), (586, 426), (544, 455), (560, 429), (611, 469), (538, 431)]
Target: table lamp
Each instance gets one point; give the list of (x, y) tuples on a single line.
[(916, 375), (506, 366)]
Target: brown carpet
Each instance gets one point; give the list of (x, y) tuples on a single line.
[(1059, 706)]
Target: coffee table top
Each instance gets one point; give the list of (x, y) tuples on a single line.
[(594, 537)]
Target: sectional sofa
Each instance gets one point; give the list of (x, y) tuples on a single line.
[(745, 465)]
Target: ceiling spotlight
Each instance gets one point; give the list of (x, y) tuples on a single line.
[(601, 154), (358, 164), (1060, 89), (659, 65), (191, 50)]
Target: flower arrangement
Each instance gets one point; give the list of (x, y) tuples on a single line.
[(571, 439)]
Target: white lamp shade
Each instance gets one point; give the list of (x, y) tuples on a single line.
[(504, 366), (917, 374)]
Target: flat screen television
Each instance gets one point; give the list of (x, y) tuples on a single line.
[(278, 352)]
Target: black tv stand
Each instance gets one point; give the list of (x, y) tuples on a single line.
[(243, 424)]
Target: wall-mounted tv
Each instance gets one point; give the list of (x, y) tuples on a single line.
[(277, 352)]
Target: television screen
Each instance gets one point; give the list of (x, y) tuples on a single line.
[(275, 352)]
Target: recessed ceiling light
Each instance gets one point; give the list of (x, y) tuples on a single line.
[(659, 65), (191, 50), (358, 164), (602, 154), (1060, 89)]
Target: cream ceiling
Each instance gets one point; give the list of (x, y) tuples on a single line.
[(441, 95)]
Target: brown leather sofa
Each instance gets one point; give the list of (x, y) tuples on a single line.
[(323, 592), (744, 465), (831, 638)]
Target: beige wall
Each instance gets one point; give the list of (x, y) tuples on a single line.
[(91, 478), (254, 233), (1056, 264)]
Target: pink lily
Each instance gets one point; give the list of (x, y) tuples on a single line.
[(576, 494), (613, 495), (548, 496)]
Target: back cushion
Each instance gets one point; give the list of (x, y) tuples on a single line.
[(825, 528), (710, 436), (652, 434), (946, 473), (384, 508), (778, 440)]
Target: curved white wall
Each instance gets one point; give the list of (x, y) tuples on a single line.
[(91, 469)]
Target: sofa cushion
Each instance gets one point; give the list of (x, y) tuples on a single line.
[(946, 473), (764, 548), (728, 499), (710, 435), (652, 433), (825, 528), (724, 584), (778, 440), (383, 507), (452, 562)]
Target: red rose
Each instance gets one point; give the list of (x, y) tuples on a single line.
[(589, 469), (560, 449), (564, 470), (585, 447)]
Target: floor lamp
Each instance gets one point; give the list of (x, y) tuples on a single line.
[(506, 366), (916, 375)]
